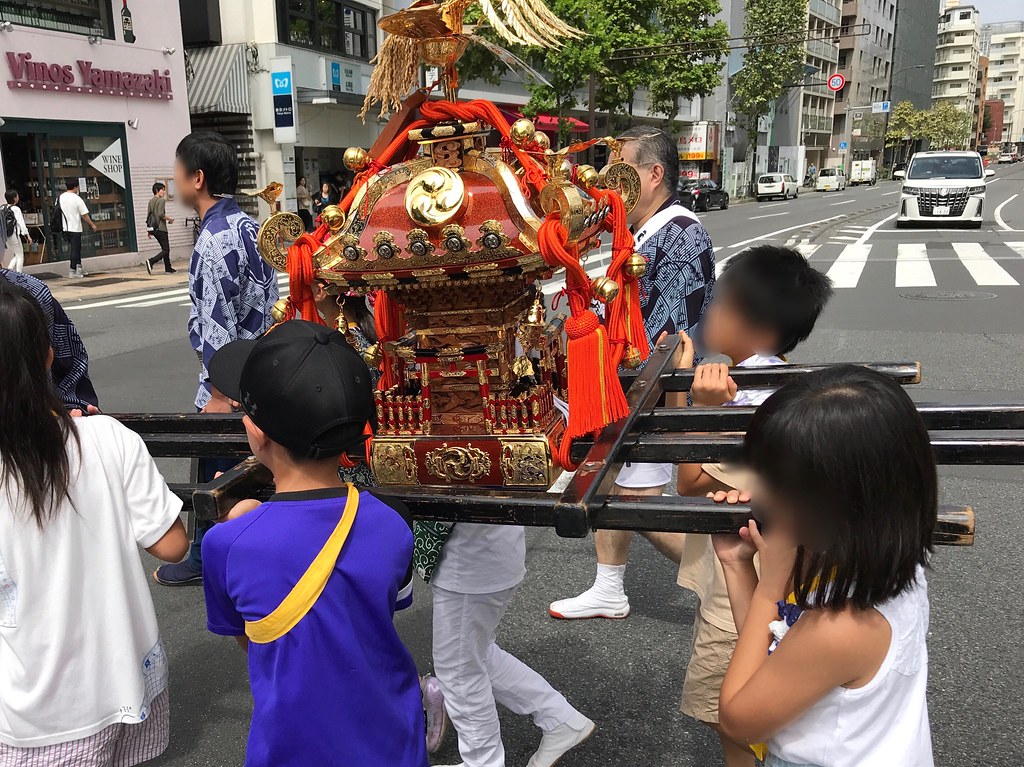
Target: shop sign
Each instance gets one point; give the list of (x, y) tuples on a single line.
[(689, 170), (110, 163), (82, 77), (282, 88), (699, 142)]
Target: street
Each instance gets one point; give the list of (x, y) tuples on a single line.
[(950, 298)]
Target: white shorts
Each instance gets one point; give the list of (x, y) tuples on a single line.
[(637, 475)]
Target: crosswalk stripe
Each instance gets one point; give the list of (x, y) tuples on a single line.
[(912, 267), (141, 301), (983, 268), (846, 271), (806, 249), (1016, 247)]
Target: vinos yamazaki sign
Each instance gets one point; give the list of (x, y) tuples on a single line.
[(30, 74)]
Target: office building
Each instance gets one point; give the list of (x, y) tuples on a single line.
[(956, 57)]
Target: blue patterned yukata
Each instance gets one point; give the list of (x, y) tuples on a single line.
[(232, 288)]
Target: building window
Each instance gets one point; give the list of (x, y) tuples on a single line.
[(83, 17), (342, 28), (965, 15)]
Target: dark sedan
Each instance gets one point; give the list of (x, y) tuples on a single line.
[(702, 194)]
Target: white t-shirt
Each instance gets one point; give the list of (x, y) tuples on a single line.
[(481, 559), (73, 207), (699, 568), (79, 644), (885, 721)]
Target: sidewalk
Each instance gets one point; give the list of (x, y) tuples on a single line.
[(111, 282)]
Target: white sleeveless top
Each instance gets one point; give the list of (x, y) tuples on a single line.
[(886, 720)]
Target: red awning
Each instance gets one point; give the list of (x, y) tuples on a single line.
[(546, 122)]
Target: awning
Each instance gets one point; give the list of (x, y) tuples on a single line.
[(546, 122), (221, 80)]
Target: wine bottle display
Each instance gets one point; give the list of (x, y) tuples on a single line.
[(126, 23)]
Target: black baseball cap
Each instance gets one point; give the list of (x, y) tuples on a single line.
[(302, 384)]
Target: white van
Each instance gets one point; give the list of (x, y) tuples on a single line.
[(831, 180), (943, 186), (863, 172)]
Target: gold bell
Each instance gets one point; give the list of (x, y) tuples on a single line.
[(522, 131), (355, 158), (586, 175), (636, 266), (632, 359), (372, 355), (540, 138), (334, 217), (605, 289), (279, 310)]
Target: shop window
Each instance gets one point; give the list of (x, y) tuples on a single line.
[(83, 17), (336, 27)]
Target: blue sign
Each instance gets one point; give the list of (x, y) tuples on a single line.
[(335, 76), (843, 146), (281, 83)]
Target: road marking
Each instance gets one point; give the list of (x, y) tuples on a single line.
[(912, 267), (843, 237), (771, 205), (781, 231), (874, 228), (983, 268), (1016, 247), (842, 202), (164, 296), (846, 271), (806, 249), (1000, 178), (999, 218), (886, 194), (769, 215)]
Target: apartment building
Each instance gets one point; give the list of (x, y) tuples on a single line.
[(1006, 79), (865, 60), (956, 57), (978, 135)]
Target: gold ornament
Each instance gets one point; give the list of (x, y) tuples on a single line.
[(522, 131), (372, 355), (540, 138), (632, 359), (522, 367), (434, 196), (605, 289), (636, 266), (334, 217), (587, 175), (279, 310), (355, 158)]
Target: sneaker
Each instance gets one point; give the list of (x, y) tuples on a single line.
[(170, 271), (149, 266), (82, 272), (559, 741), (434, 711), (590, 604), (178, 574)]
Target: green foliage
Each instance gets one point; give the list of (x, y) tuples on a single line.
[(768, 66), (948, 127), (906, 123), (612, 25)]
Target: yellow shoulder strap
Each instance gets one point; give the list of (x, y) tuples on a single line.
[(303, 596)]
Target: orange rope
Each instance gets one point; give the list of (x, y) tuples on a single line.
[(301, 273)]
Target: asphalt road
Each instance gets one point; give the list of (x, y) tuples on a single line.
[(949, 298)]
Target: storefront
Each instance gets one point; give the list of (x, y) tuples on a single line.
[(103, 104), (698, 151)]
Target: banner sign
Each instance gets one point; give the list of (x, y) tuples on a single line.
[(110, 163), (282, 84)]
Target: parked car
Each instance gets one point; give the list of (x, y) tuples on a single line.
[(831, 180), (946, 186), (702, 194), (1005, 157), (776, 185)]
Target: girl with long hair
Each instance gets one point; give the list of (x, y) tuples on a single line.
[(83, 676)]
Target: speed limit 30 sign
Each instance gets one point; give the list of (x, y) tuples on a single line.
[(836, 82)]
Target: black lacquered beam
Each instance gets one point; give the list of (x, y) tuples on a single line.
[(537, 509), (779, 375), (182, 423), (598, 469), (191, 445), (936, 417), (697, 448)]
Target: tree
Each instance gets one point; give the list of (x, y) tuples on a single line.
[(906, 125), (768, 65), (948, 127), (613, 25)]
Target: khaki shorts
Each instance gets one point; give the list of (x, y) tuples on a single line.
[(710, 654)]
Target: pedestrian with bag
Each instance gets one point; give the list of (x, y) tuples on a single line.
[(73, 212), (156, 227), (13, 233)]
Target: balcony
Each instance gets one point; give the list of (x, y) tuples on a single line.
[(823, 50), (825, 10), (817, 122)]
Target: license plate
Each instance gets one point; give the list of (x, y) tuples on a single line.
[(940, 210)]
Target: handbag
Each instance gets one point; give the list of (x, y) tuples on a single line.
[(428, 542), (151, 222)]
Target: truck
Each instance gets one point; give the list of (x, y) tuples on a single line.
[(863, 172)]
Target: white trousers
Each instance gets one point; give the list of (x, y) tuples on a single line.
[(475, 674), (15, 255)]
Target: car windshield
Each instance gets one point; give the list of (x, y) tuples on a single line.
[(769, 179), (944, 167), (688, 184), (827, 172)]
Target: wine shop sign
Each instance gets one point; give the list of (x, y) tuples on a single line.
[(29, 74)]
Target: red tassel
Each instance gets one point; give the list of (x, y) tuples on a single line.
[(301, 273), (387, 320), (595, 395)]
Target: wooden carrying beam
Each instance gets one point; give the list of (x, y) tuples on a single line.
[(538, 509)]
